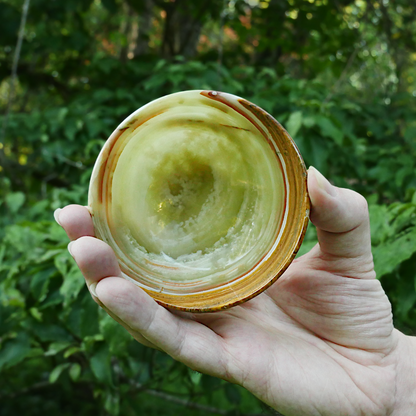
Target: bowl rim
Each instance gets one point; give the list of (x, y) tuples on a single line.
[(294, 230)]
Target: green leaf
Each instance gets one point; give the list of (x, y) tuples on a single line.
[(195, 377), (82, 319), (75, 371), (54, 298), (308, 121), (35, 352), (39, 284), (36, 313), (328, 129), (94, 126), (410, 134), (404, 286), (112, 403), (389, 255), (232, 393), (89, 322), (71, 351), (56, 347), (116, 336), (14, 351), (319, 154), (14, 298), (72, 285), (71, 130), (294, 123), (48, 332), (380, 228), (61, 262), (101, 365), (57, 371), (3, 253), (61, 114), (15, 200), (210, 383)]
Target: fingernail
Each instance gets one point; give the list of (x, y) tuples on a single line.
[(92, 287), (323, 183), (69, 247), (56, 215)]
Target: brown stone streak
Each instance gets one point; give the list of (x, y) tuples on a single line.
[(144, 121), (235, 127)]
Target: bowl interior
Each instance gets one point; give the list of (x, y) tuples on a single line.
[(202, 195)]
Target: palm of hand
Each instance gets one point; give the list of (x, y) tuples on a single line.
[(313, 343), (320, 341)]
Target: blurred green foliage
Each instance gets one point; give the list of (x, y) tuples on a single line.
[(340, 76)]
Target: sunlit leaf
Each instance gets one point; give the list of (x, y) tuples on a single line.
[(15, 200), (294, 123), (389, 255), (57, 371), (75, 371)]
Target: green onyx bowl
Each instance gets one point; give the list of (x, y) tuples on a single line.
[(202, 196)]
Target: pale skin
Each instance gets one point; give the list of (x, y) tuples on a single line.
[(320, 341)]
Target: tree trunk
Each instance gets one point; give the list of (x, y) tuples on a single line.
[(182, 29), (145, 26)]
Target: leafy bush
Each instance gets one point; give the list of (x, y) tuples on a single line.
[(58, 350), (53, 335)]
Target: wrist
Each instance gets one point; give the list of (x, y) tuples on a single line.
[(405, 403)]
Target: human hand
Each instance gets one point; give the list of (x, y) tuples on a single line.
[(320, 341)]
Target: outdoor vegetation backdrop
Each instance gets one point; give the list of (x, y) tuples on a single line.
[(339, 75)]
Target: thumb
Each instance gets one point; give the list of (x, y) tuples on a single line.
[(341, 217)]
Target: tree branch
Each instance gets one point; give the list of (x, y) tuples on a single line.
[(13, 78)]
